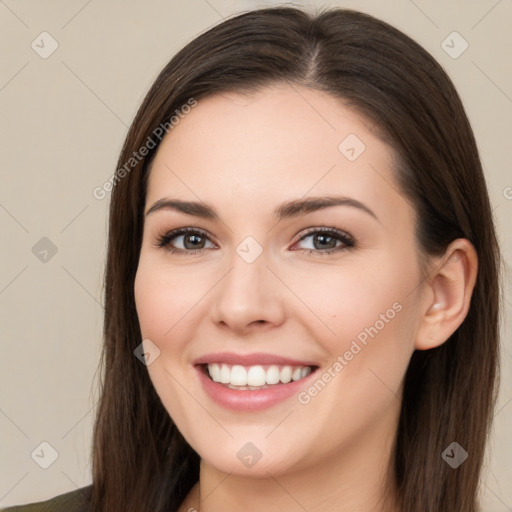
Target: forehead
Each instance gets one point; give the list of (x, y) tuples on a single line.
[(281, 143)]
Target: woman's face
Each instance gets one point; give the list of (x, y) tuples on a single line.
[(264, 289)]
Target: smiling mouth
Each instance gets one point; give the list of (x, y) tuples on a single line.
[(255, 377)]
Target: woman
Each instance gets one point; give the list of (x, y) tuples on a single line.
[(301, 304)]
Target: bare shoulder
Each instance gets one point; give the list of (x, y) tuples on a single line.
[(74, 501)]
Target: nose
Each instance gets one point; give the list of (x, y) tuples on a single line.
[(249, 297)]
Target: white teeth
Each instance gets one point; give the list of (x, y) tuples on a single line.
[(305, 371), (214, 371), (238, 376), (286, 374), (225, 374), (255, 377), (273, 375)]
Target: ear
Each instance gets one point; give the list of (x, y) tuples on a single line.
[(447, 296)]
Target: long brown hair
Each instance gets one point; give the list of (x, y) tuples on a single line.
[(140, 460)]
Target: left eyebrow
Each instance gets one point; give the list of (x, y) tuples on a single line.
[(311, 204), (288, 209)]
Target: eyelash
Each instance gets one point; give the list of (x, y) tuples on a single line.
[(163, 241)]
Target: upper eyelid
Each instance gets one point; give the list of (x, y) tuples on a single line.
[(336, 231)]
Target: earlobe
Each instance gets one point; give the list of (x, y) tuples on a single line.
[(449, 290)]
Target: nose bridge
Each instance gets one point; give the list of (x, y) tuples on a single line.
[(248, 294)]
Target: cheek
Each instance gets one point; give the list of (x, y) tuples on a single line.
[(151, 301), (352, 299), (164, 303), (366, 315), (162, 298), (365, 321)]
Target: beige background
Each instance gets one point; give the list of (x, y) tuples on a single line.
[(63, 121)]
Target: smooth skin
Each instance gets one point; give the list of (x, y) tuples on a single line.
[(245, 155)]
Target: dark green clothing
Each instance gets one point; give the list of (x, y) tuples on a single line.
[(74, 501)]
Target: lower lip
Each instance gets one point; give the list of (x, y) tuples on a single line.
[(247, 400)]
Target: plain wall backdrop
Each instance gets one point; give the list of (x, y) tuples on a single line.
[(72, 75)]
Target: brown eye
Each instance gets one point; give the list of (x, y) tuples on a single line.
[(326, 241), (191, 240)]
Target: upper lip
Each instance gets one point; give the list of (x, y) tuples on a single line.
[(254, 359)]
